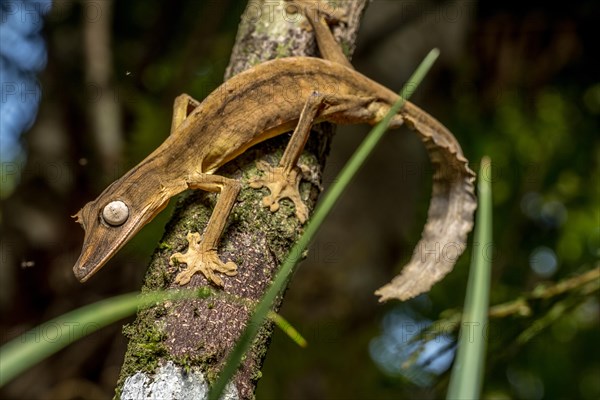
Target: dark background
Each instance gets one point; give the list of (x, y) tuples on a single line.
[(516, 81)]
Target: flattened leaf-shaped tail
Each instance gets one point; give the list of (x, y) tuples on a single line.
[(451, 212)]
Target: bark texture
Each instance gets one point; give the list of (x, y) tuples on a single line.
[(193, 338)]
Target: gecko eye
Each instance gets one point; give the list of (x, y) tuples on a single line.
[(115, 213)]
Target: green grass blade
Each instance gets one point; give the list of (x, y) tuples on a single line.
[(46, 339), (35, 345), (322, 210), (288, 329), (467, 374)]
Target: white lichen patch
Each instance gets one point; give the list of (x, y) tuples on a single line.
[(171, 382)]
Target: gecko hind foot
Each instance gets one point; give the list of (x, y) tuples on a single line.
[(199, 259), (283, 185)]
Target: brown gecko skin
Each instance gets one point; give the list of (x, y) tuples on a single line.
[(259, 104)]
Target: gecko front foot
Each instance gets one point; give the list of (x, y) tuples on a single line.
[(200, 259), (282, 184)]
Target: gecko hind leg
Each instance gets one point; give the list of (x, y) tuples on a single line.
[(283, 181)]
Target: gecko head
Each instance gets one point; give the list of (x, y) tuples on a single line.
[(109, 222)]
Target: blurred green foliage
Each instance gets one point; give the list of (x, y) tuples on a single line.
[(545, 195)]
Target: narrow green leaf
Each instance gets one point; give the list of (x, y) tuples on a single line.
[(288, 329), (467, 374), (35, 345), (322, 210), (46, 339)]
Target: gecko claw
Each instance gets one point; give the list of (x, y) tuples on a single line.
[(199, 259)]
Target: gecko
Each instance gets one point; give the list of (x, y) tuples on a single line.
[(270, 99)]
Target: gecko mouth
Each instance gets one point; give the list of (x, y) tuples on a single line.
[(96, 253), (87, 264)]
